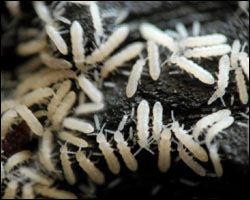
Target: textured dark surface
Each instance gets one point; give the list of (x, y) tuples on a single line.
[(179, 92)]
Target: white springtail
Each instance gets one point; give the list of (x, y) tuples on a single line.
[(78, 125), (205, 52), (53, 62), (191, 67), (181, 29), (206, 40), (217, 128), (209, 120), (128, 53), (151, 32), (244, 62), (31, 47), (154, 60), (164, 148), (241, 84), (215, 158), (235, 53), (28, 191), (223, 77), (157, 120), (90, 89), (76, 33), (105, 49), (57, 39), (134, 77), (87, 108), (196, 28), (7, 119), (70, 138), (42, 11)]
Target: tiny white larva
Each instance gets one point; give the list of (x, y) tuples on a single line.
[(57, 39), (217, 128), (117, 60), (108, 153), (209, 120), (235, 53), (187, 140), (16, 159), (66, 165), (151, 32), (223, 77), (105, 49), (31, 47), (78, 125), (164, 148), (54, 193), (87, 108), (53, 62), (157, 120), (241, 84), (63, 109), (181, 29), (90, 89), (215, 158), (244, 62), (190, 162), (7, 119), (134, 77), (33, 123), (206, 40), (93, 172), (76, 33), (191, 67), (70, 138), (42, 12), (154, 60), (205, 52)]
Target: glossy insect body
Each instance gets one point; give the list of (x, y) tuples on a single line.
[(241, 84), (164, 147), (157, 120), (154, 60), (215, 158), (244, 62)]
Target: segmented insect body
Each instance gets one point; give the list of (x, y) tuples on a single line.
[(195, 166), (76, 33), (70, 138), (209, 120), (157, 120), (128, 53), (235, 53), (223, 77), (57, 39), (66, 165), (105, 49), (63, 109), (205, 52), (54, 193), (216, 128), (244, 62), (34, 176), (63, 89), (31, 47), (142, 123), (97, 21), (93, 172), (215, 158), (134, 77), (16, 159), (87, 108), (125, 151), (79, 125), (46, 147), (241, 84), (42, 12), (7, 119), (35, 126), (187, 140), (55, 63), (191, 67), (152, 33), (164, 147), (28, 191), (90, 89), (10, 191), (206, 40), (154, 60), (108, 152), (36, 96)]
